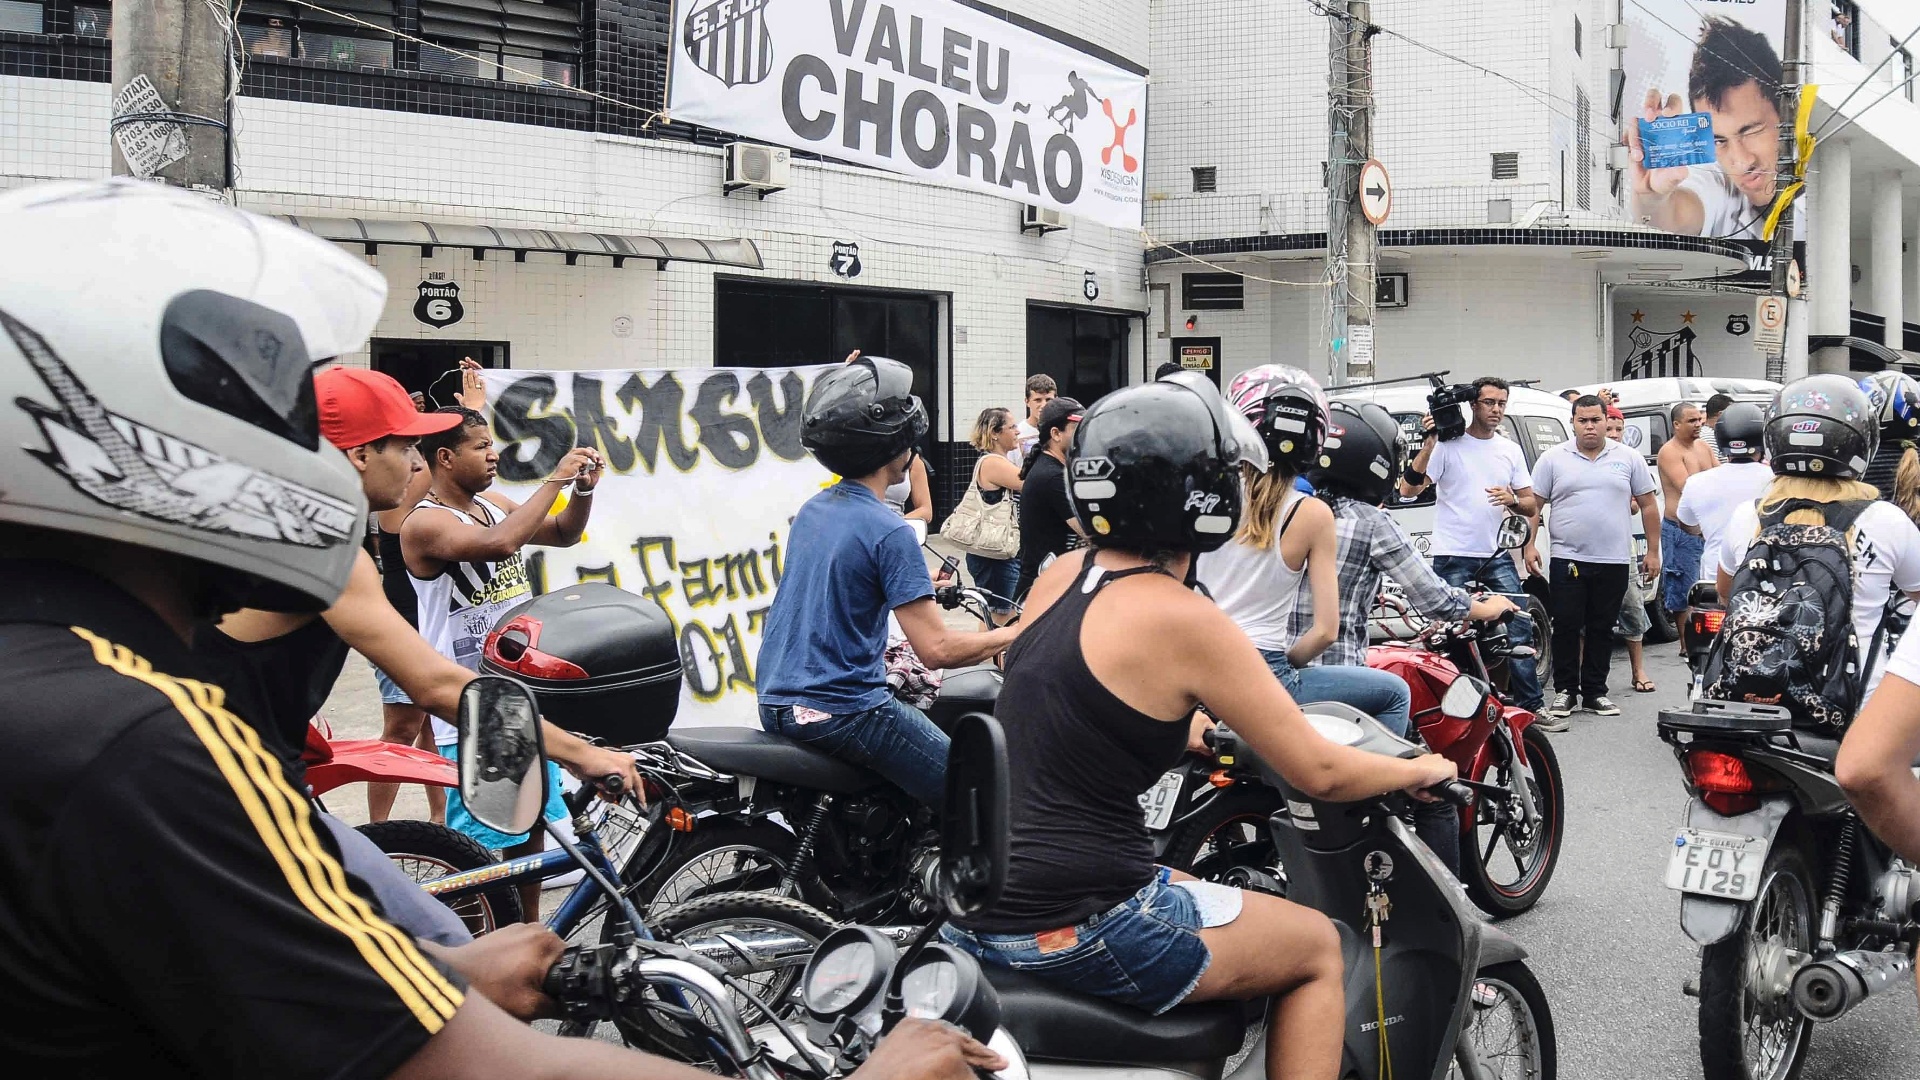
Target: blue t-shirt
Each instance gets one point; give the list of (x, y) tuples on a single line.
[(850, 561)]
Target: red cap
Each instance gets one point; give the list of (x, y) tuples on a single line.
[(1615, 414), (358, 406)]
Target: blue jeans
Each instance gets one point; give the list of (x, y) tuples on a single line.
[(1144, 951), (1380, 694), (1501, 575), (997, 576), (895, 740)]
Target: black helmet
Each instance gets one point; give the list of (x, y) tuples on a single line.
[(1289, 410), (1157, 467), (1365, 451), (1824, 426), (860, 416), (1896, 400), (1739, 433)]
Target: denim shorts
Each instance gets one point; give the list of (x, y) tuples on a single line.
[(1144, 951), (390, 692)]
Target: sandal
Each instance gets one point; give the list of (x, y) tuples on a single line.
[(1644, 686)]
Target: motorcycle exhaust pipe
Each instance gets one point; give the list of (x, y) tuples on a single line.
[(1826, 990)]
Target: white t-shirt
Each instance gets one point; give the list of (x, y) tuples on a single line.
[(1462, 469), (1255, 586), (1029, 435), (1710, 498), (1727, 213), (1886, 555), (1905, 661)]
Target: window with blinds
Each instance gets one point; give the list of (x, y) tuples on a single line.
[(523, 41), (353, 36)]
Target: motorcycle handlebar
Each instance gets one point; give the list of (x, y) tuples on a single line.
[(1455, 792), (611, 785)]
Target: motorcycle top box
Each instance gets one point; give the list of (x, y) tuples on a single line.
[(602, 661)]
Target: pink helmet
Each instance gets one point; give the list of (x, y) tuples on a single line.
[(1287, 407)]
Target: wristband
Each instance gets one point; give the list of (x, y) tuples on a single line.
[(1413, 476)]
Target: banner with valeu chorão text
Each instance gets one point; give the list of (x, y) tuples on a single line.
[(930, 88), (705, 472)]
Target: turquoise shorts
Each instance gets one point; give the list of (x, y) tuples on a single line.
[(462, 822)]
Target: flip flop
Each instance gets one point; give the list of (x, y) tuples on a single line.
[(1644, 686)]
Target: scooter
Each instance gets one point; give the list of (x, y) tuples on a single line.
[(1431, 990), (1802, 914)]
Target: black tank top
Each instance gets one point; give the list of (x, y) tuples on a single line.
[(1079, 759), (393, 577), (281, 682)]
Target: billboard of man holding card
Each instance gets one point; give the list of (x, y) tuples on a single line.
[(1703, 148)]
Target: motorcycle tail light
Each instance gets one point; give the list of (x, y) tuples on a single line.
[(1708, 622), (1714, 772), (512, 647), (1730, 805)]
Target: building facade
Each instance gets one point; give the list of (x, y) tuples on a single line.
[(1510, 248), (505, 165)]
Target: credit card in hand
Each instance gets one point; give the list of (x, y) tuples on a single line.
[(1673, 141)]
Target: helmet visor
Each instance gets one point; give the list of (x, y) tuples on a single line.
[(1239, 441)]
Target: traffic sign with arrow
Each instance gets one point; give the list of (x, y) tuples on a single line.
[(1376, 192)]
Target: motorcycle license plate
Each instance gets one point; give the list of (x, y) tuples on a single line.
[(1160, 801), (1716, 864)]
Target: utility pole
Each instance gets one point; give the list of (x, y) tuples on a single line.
[(1788, 102), (171, 71), (1351, 265)]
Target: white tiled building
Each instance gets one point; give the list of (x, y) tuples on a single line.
[(948, 280), (1493, 120)]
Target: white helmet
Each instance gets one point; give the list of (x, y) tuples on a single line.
[(157, 349)]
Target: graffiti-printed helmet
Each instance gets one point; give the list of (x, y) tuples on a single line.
[(1289, 410), (1823, 426), (178, 414), (1896, 401)]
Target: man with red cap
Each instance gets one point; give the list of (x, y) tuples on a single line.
[(290, 661)]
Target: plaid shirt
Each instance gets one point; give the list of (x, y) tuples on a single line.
[(1372, 543)]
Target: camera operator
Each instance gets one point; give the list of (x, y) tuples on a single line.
[(1478, 476)]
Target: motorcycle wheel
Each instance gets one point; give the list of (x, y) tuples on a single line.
[(1506, 869), (777, 985), (1542, 640), (1510, 1030), (426, 851), (1749, 1029), (722, 857), (1231, 831)]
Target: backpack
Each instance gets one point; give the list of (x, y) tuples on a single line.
[(1788, 637)]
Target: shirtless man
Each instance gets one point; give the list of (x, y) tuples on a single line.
[(1684, 454)]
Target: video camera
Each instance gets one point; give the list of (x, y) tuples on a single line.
[(1444, 404)]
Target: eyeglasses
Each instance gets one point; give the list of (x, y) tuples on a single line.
[(1492, 403)]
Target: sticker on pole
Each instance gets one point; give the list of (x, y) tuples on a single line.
[(148, 145), (1376, 192), (1770, 324)]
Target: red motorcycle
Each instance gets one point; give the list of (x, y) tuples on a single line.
[(1211, 817), (421, 848)]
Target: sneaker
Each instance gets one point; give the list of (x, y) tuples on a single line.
[(1546, 721), (1562, 707), (1600, 706)]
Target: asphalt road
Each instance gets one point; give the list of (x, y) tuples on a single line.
[(1606, 939)]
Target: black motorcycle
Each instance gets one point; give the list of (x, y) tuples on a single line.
[(1802, 914), (760, 812)]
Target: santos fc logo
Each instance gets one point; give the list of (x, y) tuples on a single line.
[(728, 40)]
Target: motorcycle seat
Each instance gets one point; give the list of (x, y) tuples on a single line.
[(1052, 1024), (1824, 748), (762, 754)]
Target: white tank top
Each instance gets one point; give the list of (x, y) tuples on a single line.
[(461, 604), (898, 494), (1255, 587)]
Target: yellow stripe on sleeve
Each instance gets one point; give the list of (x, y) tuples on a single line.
[(285, 826)]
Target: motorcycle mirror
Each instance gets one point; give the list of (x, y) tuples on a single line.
[(1465, 699), (503, 767), (1514, 533), (973, 830)]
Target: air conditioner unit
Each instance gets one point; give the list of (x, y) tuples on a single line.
[(756, 168), (1041, 220), (1390, 290)]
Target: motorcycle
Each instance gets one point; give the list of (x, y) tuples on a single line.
[(1705, 615), (1802, 914), (1441, 995), (1212, 816), (764, 813)]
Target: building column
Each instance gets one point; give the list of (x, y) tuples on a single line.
[(1829, 249), (1889, 294), (1911, 277)]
